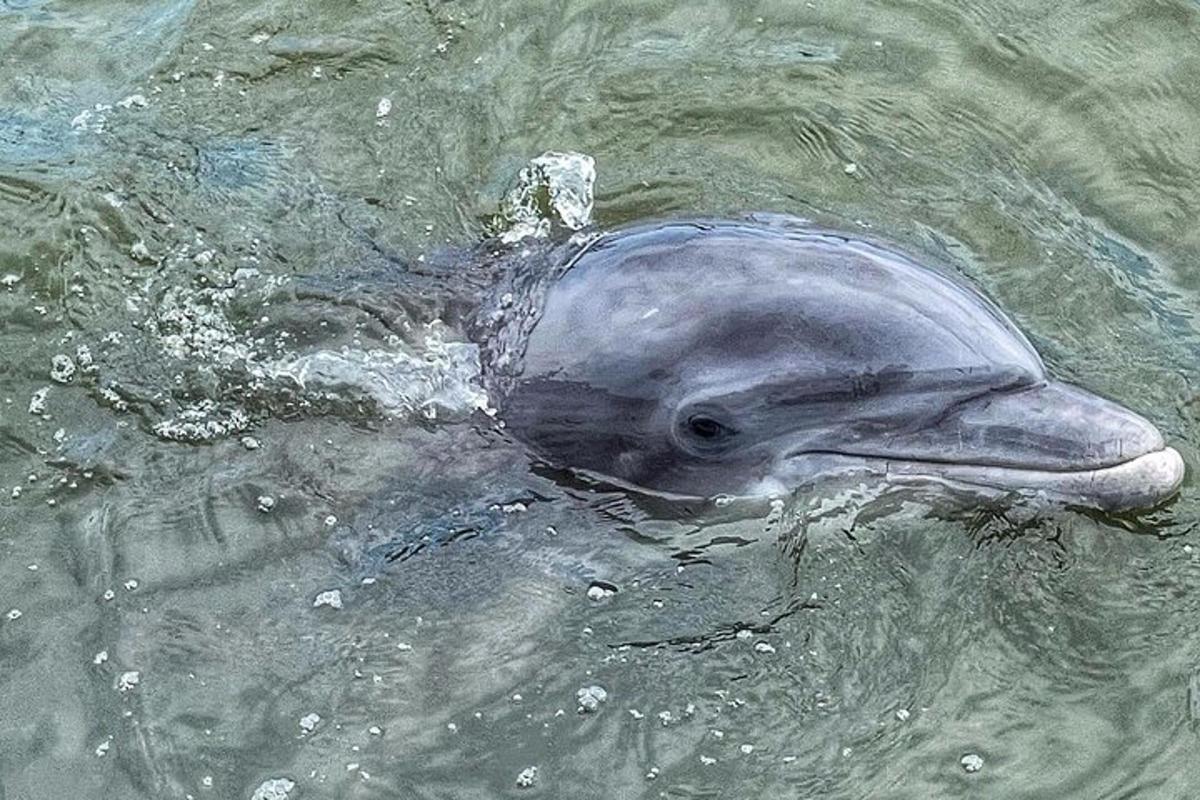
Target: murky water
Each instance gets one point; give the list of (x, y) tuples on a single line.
[(201, 210)]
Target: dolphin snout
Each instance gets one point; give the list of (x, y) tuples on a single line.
[(1068, 443), (1056, 426), (1049, 438)]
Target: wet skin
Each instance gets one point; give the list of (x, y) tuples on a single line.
[(742, 358)]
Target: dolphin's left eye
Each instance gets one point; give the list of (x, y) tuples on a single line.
[(706, 428)]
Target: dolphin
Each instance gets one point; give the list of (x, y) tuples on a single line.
[(710, 358)]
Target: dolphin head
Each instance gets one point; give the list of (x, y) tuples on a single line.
[(734, 358)]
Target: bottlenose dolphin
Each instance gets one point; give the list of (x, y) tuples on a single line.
[(708, 358)]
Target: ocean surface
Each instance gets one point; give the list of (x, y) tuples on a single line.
[(259, 538)]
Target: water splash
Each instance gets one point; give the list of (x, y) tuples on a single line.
[(439, 382), (553, 186), (230, 347)]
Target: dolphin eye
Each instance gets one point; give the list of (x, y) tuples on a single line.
[(706, 427), (704, 430)]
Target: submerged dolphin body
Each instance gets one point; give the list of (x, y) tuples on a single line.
[(740, 358)]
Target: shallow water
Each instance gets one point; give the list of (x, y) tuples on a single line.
[(185, 188)]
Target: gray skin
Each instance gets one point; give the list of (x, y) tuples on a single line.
[(705, 358)]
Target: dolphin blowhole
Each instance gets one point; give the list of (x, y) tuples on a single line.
[(701, 358)]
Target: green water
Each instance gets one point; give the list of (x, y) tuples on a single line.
[(171, 172)]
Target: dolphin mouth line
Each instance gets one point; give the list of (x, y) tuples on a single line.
[(900, 459), (1142, 481)]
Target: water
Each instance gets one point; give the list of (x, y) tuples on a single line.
[(186, 188)]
